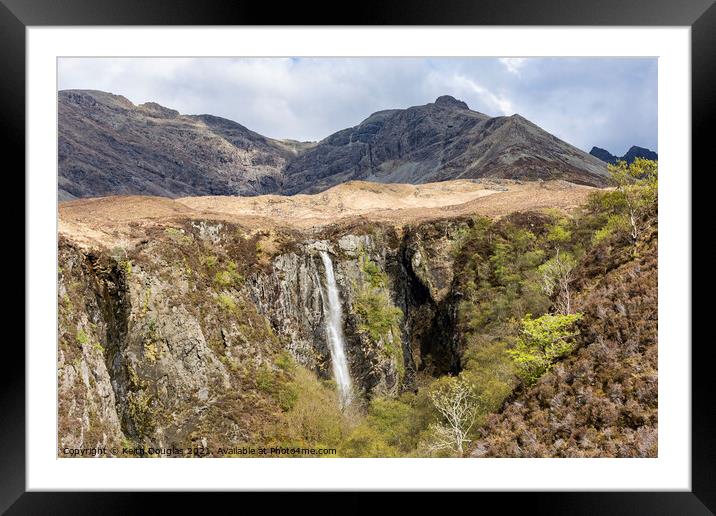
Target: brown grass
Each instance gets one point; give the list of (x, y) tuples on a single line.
[(108, 220)]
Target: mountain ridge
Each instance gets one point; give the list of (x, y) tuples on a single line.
[(110, 146), (634, 152)]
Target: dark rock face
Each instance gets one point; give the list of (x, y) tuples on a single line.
[(603, 155), (633, 153), (639, 152), (109, 146), (448, 101)]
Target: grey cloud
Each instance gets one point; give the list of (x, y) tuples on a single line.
[(608, 102)]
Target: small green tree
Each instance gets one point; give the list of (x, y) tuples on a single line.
[(559, 232), (637, 186), (542, 341)]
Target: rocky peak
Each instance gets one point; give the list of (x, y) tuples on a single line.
[(603, 154), (633, 153), (154, 109), (450, 102), (639, 152), (94, 99)]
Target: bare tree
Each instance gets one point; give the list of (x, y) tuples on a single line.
[(458, 404), (556, 276)]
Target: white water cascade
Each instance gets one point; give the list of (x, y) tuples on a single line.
[(334, 333)]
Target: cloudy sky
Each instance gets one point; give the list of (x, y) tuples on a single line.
[(607, 102)]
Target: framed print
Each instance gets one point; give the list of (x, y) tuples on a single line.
[(437, 249)]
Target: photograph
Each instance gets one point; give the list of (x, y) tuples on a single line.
[(357, 257)]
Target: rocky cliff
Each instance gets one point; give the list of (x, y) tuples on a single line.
[(109, 146), (162, 341)]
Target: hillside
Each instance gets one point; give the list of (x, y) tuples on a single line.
[(603, 400), (109, 146), (195, 322), (105, 220)]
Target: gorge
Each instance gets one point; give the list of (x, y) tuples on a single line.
[(207, 321)]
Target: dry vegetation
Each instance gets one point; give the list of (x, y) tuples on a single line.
[(104, 220)]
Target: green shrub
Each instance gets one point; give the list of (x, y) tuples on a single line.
[(372, 273), (209, 261), (542, 341), (284, 361), (367, 441), (491, 370), (391, 427), (227, 302), (178, 235), (315, 417), (229, 277), (617, 223), (82, 337), (379, 317), (380, 320), (278, 385), (559, 232)]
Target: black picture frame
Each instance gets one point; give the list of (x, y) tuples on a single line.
[(16, 15)]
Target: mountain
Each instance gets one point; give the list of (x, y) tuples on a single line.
[(109, 146), (603, 155), (633, 153), (639, 152), (439, 141)]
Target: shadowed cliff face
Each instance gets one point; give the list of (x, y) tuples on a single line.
[(109, 146)]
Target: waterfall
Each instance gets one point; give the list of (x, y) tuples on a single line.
[(334, 332)]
